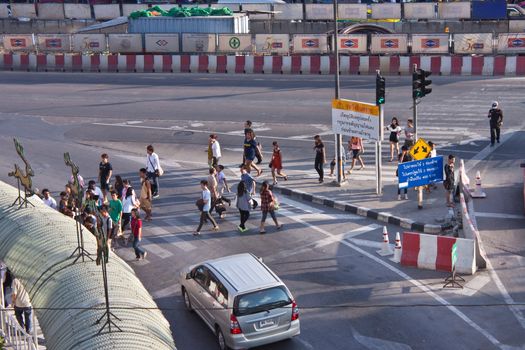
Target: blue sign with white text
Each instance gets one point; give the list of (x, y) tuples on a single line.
[(420, 172)]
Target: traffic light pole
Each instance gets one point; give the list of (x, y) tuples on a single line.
[(379, 96), (338, 137), (414, 117)]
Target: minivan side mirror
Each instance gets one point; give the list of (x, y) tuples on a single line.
[(188, 276)]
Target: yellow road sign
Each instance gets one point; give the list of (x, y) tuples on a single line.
[(420, 150)]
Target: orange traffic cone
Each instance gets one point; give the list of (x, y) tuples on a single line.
[(478, 191), (397, 249), (385, 248)]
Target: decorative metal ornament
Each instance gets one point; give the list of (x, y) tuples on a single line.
[(76, 189), (24, 179)]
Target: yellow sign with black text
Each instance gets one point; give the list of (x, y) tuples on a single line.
[(420, 150)]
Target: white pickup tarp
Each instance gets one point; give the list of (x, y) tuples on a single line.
[(352, 43), (87, 43), (310, 43), (125, 42), (511, 42), (162, 42), (479, 43), (272, 43), (430, 43), (389, 43), (197, 42), (53, 42), (233, 43), (19, 42)]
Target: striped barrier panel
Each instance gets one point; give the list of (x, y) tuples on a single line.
[(296, 64), (434, 252)]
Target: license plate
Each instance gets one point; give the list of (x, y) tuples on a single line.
[(266, 323)]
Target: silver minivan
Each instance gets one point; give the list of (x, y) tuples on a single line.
[(242, 301)]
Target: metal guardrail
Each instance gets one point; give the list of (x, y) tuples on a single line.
[(14, 335)]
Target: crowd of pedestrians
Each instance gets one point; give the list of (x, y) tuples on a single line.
[(111, 210)]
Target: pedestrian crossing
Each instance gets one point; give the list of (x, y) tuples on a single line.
[(169, 237)]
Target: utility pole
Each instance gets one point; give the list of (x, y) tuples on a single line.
[(380, 100), (338, 138)]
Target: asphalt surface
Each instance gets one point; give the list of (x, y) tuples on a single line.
[(350, 297)]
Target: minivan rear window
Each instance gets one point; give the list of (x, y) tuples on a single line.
[(261, 300)]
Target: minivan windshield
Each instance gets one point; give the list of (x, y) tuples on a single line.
[(261, 300)]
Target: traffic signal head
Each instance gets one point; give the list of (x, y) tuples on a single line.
[(420, 84), (380, 89)]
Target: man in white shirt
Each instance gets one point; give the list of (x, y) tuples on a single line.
[(22, 305), (152, 168), (48, 200), (215, 149), (92, 185), (205, 212)]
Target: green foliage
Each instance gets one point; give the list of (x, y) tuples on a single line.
[(157, 11)]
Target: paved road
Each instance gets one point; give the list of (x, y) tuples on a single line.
[(350, 296)]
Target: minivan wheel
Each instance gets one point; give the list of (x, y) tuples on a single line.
[(187, 301), (220, 340)]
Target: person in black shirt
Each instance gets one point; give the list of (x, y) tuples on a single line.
[(105, 170), (496, 120), (320, 157), (449, 180)]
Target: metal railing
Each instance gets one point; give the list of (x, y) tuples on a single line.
[(15, 336)]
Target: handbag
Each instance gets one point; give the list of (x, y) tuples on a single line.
[(200, 204), (159, 171)]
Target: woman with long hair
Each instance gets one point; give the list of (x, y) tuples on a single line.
[(267, 206), (277, 163), (243, 203), (118, 186), (395, 130), (355, 145), (129, 202)]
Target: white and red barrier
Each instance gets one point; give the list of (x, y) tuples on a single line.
[(296, 64), (435, 252)]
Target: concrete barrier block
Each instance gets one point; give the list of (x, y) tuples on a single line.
[(51, 11), (23, 10), (4, 12), (77, 11), (109, 11)]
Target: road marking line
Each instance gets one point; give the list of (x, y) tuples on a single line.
[(170, 238), (306, 248), (377, 343), (155, 249), (128, 255), (499, 216), (474, 285), (416, 283), (166, 292)]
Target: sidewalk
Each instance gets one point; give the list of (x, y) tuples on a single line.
[(359, 197)]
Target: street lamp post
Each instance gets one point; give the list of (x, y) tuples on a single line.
[(338, 138)]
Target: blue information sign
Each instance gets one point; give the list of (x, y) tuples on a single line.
[(420, 172)]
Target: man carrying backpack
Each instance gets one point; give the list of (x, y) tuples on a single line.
[(496, 120)]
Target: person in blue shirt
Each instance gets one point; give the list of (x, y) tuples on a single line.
[(250, 151)]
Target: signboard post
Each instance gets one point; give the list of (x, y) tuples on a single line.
[(353, 118), (419, 173)]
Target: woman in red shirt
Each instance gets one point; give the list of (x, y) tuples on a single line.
[(136, 229), (267, 206), (277, 163)]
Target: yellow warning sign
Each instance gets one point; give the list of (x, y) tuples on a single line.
[(420, 150)]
